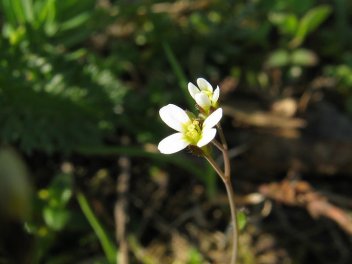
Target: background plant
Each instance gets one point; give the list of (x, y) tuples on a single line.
[(78, 76)]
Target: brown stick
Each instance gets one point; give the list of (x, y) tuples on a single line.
[(121, 205)]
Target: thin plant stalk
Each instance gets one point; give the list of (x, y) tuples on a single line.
[(226, 178)]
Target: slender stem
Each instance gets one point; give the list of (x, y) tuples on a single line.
[(231, 197), (225, 154), (230, 193), (218, 145), (215, 166), (222, 136)]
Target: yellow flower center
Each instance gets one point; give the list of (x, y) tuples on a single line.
[(193, 132)]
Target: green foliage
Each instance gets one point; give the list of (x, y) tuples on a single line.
[(309, 22), (53, 104), (45, 87), (51, 214), (63, 21), (242, 220), (76, 75), (298, 28), (343, 75), (58, 194), (297, 57), (295, 28), (195, 257)]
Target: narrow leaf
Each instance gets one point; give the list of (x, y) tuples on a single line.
[(107, 245), (27, 6), (310, 22), (177, 69)]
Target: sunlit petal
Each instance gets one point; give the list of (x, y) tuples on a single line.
[(202, 100), (216, 94), (172, 144), (193, 90), (207, 136), (204, 85), (213, 119), (174, 116)]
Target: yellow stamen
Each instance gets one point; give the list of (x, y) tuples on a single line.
[(193, 132)]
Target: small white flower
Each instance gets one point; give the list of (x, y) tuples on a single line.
[(191, 131), (204, 95)]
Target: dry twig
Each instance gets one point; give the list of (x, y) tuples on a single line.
[(120, 212), (301, 193)]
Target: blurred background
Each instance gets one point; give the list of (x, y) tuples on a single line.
[(81, 84)]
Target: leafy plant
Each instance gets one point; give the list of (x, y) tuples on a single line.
[(53, 96)]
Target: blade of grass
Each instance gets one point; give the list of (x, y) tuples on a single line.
[(18, 11), (176, 67), (107, 245), (210, 179), (139, 253), (27, 6), (8, 12)]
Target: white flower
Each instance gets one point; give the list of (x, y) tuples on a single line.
[(204, 95), (191, 131)]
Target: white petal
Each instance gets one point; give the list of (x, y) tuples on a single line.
[(207, 136), (172, 144), (216, 94), (203, 84), (213, 119), (193, 90), (174, 116), (202, 100)]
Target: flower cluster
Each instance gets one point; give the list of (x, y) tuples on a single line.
[(204, 95), (192, 130)]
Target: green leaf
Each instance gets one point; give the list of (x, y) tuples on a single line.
[(8, 11), (55, 218), (46, 14), (60, 190), (77, 21), (304, 57), (27, 6), (241, 220), (309, 22), (287, 23), (278, 58), (194, 256)]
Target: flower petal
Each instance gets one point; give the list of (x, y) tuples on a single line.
[(216, 94), (204, 85), (193, 90), (172, 144), (202, 100), (207, 136), (174, 116), (213, 119)]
